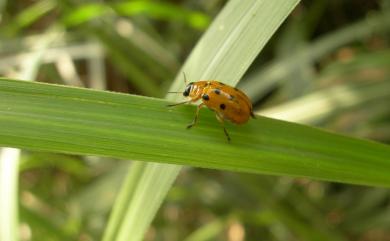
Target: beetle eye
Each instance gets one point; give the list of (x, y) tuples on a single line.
[(187, 90)]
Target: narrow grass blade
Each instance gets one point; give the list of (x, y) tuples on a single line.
[(9, 162), (312, 107), (224, 52)]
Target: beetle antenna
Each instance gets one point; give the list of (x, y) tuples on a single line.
[(185, 78)]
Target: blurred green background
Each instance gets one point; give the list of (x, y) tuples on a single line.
[(328, 65)]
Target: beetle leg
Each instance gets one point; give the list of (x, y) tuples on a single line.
[(221, 120), (180, 103), (196, 116), (253, 114)]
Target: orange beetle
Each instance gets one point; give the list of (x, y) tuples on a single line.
[(227, 102)]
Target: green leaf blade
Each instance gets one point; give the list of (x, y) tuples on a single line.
[(144, 129)]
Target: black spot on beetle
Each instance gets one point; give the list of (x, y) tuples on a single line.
[(205, 97), (231, 97), (217, 91), (222, 106)]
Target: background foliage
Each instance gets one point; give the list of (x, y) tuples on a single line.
[(328, 66)]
